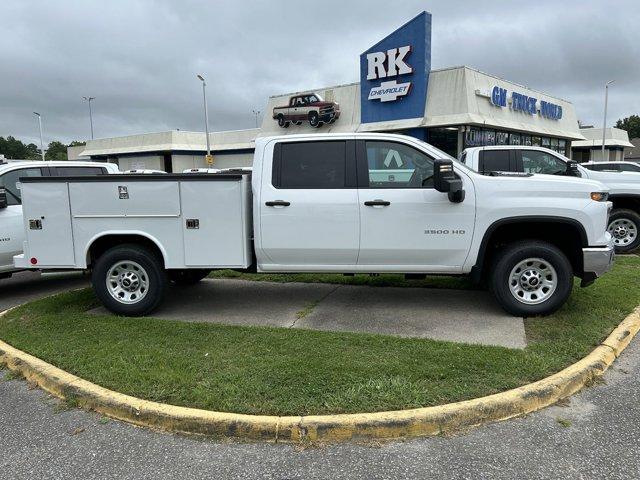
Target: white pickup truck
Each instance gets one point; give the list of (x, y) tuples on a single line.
[(624, 186), (352, 203), (11, 223)]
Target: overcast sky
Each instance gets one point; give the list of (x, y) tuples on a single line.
[(139, 58)]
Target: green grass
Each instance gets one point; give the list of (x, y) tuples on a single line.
[(289, 371)]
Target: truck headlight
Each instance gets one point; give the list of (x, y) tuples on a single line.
[(599, 196)]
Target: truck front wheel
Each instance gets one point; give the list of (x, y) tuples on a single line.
[(531, 278), (129, 280), (314, 120), (624, 227)]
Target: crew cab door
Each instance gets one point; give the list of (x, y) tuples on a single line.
[(406, 225), (11, 224), (309, 217)]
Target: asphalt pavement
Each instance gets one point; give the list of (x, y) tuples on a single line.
[(595, 435)]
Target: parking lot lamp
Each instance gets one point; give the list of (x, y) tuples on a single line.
[(206, 117), (41, 142), (604, 123), (88, 99)]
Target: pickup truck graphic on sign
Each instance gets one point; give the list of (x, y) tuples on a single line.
[(307, 107)]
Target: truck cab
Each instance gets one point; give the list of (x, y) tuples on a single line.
[(11, 223), (623, 185)]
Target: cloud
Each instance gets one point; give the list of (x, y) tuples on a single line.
[(140, 58)]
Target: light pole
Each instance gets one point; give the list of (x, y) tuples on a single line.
[(604, 123), (40, 125), (257, 114), (88, 99), (206, 118)]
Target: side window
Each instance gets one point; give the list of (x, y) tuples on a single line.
[(628, 167), (395, 165), (535, 161), (79, 171), (311, 165), (494, 161), (10, 181)]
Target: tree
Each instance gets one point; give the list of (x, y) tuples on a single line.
[(13, 148), (631, 125), (77, 143), (56, 151)]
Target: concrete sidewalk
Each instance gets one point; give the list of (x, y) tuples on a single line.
[(455, 315)]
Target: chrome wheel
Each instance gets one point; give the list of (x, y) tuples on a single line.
[(623, 231), (533, 281), (127, 282)]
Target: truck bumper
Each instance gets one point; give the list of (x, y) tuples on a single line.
[(20, 261), (596, 262)]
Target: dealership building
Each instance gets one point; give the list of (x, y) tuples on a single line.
[(451, 108)]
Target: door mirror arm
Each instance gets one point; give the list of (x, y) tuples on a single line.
[(446, 181)]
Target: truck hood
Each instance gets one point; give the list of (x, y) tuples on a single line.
[(546, 184), (617, 182)]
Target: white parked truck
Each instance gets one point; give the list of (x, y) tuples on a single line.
[(11, 223), (624, 186), (352, 203)]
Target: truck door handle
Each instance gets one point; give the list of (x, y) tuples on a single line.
[(277, 203), (377, 203)]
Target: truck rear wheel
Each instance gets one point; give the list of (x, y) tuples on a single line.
[(129, 280), (189, 276), (282, 122), (531, 278), (624, 227)]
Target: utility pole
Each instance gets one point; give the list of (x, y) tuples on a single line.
[(41, 142), (206, 119), (88, 99), (604, 123)]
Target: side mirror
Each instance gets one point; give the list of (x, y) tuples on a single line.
[(3, 198), (572, 169), (446, 181)]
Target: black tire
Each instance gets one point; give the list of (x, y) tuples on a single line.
[(151, 271), (624, 227), (189, 276), (314, 120), (543, 255), (282, 122)]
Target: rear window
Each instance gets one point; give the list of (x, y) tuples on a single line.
[(79, 171), (494, 161), (311, 165)]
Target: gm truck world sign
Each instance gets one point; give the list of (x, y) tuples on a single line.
[(394, 73)]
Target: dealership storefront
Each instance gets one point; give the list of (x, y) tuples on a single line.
[(398, 92)]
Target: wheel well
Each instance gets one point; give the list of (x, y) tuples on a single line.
[(102, 244), (569, 237), (630, 202)]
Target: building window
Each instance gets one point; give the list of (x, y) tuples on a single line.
[(554, 144), (536, 141), (446, 139), (515, 139), (473, 137), (562, 147), (526, 140), (502, 138), (545, 142)]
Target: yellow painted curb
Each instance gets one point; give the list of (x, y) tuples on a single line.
[(426, 421)]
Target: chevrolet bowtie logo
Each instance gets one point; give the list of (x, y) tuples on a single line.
[(389, 91)]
